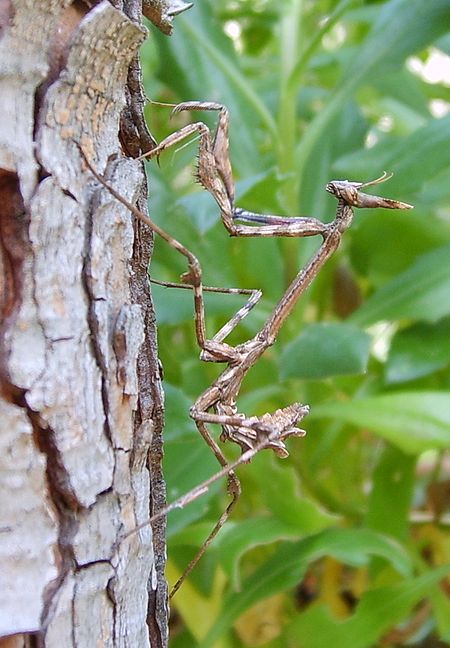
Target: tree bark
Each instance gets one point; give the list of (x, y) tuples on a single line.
[(81, 403)]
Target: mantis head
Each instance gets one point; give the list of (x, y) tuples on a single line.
[(349, 193)]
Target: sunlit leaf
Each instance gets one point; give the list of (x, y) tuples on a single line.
[(394, 35), (283, 494), (289, 563), (431, 146), (413, 421), (378, 611), (291, 517)]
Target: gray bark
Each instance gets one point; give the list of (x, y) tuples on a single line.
[(80, 397)]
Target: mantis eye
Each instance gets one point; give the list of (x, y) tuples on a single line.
[(344, 190)]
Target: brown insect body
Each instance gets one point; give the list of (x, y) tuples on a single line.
[(350, 193), (218, 403)]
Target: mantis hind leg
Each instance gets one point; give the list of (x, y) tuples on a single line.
[(234, 491)]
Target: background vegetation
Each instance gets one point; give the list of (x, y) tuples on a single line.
[(345, 543)]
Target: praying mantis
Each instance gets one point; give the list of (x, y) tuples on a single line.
[(218, 403)]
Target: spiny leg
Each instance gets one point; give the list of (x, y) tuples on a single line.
[(194, 274), (214, 173), (216, 349), (233, 490), (268, 432), (219, 148), (228, 327), (214, 169), (348, 196), (175, 138), (331, 238), (306, 227), (214, 166)]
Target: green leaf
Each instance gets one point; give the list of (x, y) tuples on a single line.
[(441, 612), (240, 537), (187, 460), (431, 146), (259, 193), (198, 60), (406, 89), (378, 611), (201, 209), (405, 236), (325, 350), (291, 515), (176, 413), (172, 305), (436, 190), (187, 463), (421, 292), (394, 35), (393, 474), (413, 421), (288, 565), (283, 495), (418, 351)]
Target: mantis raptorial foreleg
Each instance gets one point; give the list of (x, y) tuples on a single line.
[(217, 404)]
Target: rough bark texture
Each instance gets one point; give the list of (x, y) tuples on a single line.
[(162, 12), (80, 404)]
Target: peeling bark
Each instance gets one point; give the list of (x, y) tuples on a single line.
[(81, 403), (162, 12)]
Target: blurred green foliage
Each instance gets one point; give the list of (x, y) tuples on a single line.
[(345, 543)]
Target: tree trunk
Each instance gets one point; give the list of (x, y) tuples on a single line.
[(80, 405)]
